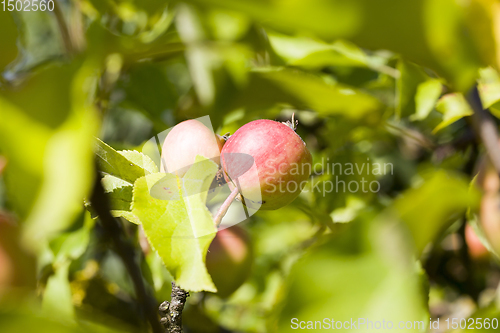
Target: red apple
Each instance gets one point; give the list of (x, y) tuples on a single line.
[(489, 213), (268, 162), (186, 140), (229, 260), (476, 248)]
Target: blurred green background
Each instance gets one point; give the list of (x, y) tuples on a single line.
[(369, 81)]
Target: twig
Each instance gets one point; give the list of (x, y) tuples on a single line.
[(416, 136), (172, 311), (126, 252), (485, 128), (63, 28), (225, 206)]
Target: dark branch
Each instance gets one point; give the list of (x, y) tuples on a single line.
[(485, 128), (126, 252), (63, 29), (172, 311)]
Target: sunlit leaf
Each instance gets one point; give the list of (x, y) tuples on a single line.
[(122, 168), (426, 97), (140, 159), (73, 244), (489, 89), (372, 281), (429, 209), (68, 161), (38, 40), (306, 91), (23, 141), (216, 68), (411, 76), (53, 154), (453, 107), (127, 215), (441, 34), (314, 54), (57, 295), (180, 230), (116, 164)]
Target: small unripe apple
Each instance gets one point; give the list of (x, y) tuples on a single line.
[(489, 213), (229, 260), (186, 140), (475, 247), (268, 162)]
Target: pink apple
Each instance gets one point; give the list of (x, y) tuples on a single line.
[(186, 140), (268, 162)]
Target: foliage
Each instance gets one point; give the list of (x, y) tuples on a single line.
[(382, 92)]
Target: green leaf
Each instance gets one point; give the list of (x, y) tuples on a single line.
[(38, 42), (148, 89), (120, 198), (449, 38), (373, 280), (216, 69), (411, 76), (72, 245), (489, 89), (311, 53), (442, 35), (57, 300), (140, 159), (116, 164), (68, 161), (427, 95), (52, 159), (473, 220), (181, 229), (453, 107), (111, 183), (24, 318), (127, 215), (24, 142), (118, 190), (119, 193), (306, 91), (432, 207)]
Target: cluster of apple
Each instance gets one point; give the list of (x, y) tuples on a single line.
[(254, 160), (257, 158)]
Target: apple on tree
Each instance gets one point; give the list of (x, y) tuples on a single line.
[(279, 156), (265, 162), (474, 245), (186, 140), (489, 212), (229, 260)]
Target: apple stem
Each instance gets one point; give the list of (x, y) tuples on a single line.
[(293, 123), (225, 206)]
